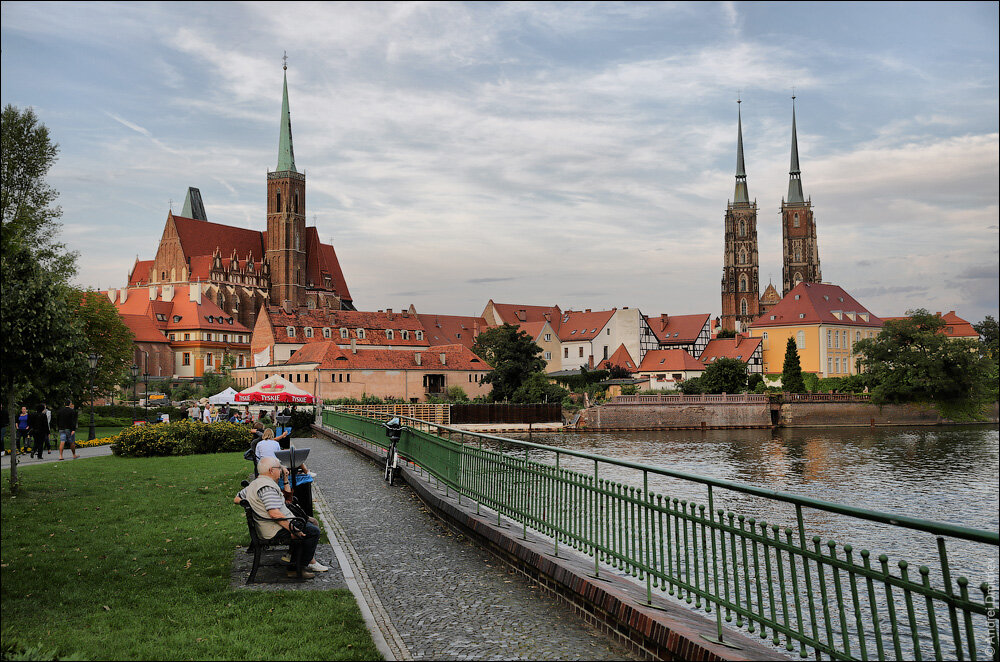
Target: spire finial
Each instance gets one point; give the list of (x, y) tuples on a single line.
[(284, 61), (286, 153), (741, 195), (794, 174)]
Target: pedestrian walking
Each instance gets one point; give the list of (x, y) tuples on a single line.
[(53, 437), (67, 418), (39, 426), (22, 429)]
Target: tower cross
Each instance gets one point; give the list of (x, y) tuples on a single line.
[(284, 61)]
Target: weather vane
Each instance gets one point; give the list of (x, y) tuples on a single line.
[(284, 61)]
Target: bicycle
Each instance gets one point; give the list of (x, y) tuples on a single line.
[(393, 430)]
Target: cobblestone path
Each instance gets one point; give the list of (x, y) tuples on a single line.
[(446, 598)]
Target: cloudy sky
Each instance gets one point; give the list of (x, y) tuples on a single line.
[(572, 153)]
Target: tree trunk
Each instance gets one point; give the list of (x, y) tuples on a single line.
[(12, 420)]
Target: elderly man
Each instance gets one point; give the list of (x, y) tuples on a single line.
[(267, 501)]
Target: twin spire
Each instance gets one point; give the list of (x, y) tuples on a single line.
[(794, 174), (286, 154)]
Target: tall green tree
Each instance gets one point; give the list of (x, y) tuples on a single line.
[(989, 337), (513, 355), (911, 360), (106, 335), (40, 337), (791, 371), (724, 376)]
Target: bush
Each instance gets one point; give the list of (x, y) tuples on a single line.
[(181, 438)]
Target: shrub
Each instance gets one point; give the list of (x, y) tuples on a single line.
[(181, 438)]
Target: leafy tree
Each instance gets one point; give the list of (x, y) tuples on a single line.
[(538, 388), (457, 394), (791, 371), (693, 386), (724, 376), (106, 335), (584, 379), (726, 333), (619, 372), (989, 337), (513, 355), (911, 360), (755, 383)]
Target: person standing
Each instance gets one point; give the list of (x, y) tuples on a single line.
[(66, 420), (39, 425), (193, 412), (52, 430), (23, 426)]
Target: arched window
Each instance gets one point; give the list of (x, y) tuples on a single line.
[(743, 283), (343, 333), (295, 203), (800, 339), (388, 334), (309, 332), (361, 334), (797, 246), (743, 228), (277, 200), (795, 220), (326, 332), (797, 278), (743, 307)]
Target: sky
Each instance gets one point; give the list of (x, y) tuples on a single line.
[(578, 154)]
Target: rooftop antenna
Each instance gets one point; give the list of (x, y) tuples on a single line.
[(170, 205)]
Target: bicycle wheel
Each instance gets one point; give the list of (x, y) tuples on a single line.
[(391, 470), (388, 466)]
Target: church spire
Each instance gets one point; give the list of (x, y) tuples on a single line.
[(286, 154), (794, 174), (741, 195)]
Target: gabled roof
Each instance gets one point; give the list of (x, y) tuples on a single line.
[(621, 357), (143, 328), (180, 313), (451, 329), (817, 303), (575, 325), (323, 261), (375, 325), (331, 357), (740, 348), (955, 326), (513, 313), (669, 359), (203, 237), (770, 295), (140, 273), (678, 329)]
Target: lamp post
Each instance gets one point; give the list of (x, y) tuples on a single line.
[(92, 359), (135, 388), (145, 387)]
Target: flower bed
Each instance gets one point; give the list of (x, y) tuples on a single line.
[(180, 438)]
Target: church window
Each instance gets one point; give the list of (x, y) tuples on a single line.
[(743, 257), (290, 331), (743, 228), (797, 249), (800, 340), (309, 332), (388, 334), (795, 220), (743, 307), (343, 333), (798, 278), (295, 202), (277, 200), (361, 334), (163, 275), (743, 283), (236, 305)]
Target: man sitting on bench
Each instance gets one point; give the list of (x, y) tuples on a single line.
[(267, 501)]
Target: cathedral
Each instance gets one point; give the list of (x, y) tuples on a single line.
[(241, 270), (741, 298)]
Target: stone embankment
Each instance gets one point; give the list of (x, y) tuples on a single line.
[(754, 411)]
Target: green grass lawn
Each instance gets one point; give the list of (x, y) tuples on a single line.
[(129, 558)]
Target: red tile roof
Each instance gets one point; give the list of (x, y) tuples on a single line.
[(203, 237), (331, 357), (144, 329), (817, 303), (669, 359), (621, 357), (140, 273), (575, 325), (191, 315), (451, 329), (678, 329), (513, 313), (323, 262), (375, 325), (740, 348), (955, 326)]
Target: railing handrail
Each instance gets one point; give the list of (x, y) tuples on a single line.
[(929, 526)]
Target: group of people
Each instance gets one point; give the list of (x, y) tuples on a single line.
[(232, 414), (35, 428), (271, 497)]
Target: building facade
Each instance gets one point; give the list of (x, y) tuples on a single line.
[(800, 251), (740, 273)]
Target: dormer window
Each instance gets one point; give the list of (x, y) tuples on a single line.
[(326, 332), (361, 334), (343, 333), (798, 296), (230, 320), (404, 334), (864, 316), (420, 335), (211, 319), (290, 331), (389, 334), (161, 317), (177, 318), (458, 335), (309, 332)]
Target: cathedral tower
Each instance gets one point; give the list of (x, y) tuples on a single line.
[(285, 251), (740, 285), (800, 252)]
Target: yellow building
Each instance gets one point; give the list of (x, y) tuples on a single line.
[(825, 322)]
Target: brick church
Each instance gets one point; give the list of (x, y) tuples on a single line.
[(742, 302), (242, 270)]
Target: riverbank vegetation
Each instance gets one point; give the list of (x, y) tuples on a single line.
[(130, 558)]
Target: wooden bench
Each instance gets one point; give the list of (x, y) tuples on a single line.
[(258, 544)]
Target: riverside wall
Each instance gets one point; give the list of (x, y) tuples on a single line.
[(709, 415)]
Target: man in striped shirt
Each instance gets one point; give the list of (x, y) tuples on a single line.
[(266, 499)]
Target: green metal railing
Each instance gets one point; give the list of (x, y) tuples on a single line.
[(823, 599)]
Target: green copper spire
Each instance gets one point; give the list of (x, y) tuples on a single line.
[(741, 195), (794, 174), (286, 154)]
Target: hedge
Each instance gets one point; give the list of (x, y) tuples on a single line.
[(181, 438)]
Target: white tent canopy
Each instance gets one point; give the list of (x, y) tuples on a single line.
[(227, 397), (275, 389)]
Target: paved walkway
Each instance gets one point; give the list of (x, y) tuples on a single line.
[(24, 460), (433, 593)]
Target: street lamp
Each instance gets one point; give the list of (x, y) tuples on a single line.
[(135, 388), (145, 389), (92, 359)]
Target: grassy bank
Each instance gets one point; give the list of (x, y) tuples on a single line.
[(116, 558)]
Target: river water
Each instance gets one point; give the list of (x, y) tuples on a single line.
[(945, 474)]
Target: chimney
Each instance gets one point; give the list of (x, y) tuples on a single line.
[(417, 358), (444, 358), (388, 310), (122, 295), (168, 292), (354, 346), (152, 292), (587, 311), (287, 305), (194, 293), (522, 315), (112, 294)]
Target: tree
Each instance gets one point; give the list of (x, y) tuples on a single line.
[(538, 388), (726, 333), (513, 355), (911, 360), (692, 386), (724, 375), (989, 337), (791, 371), (107, 336)]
